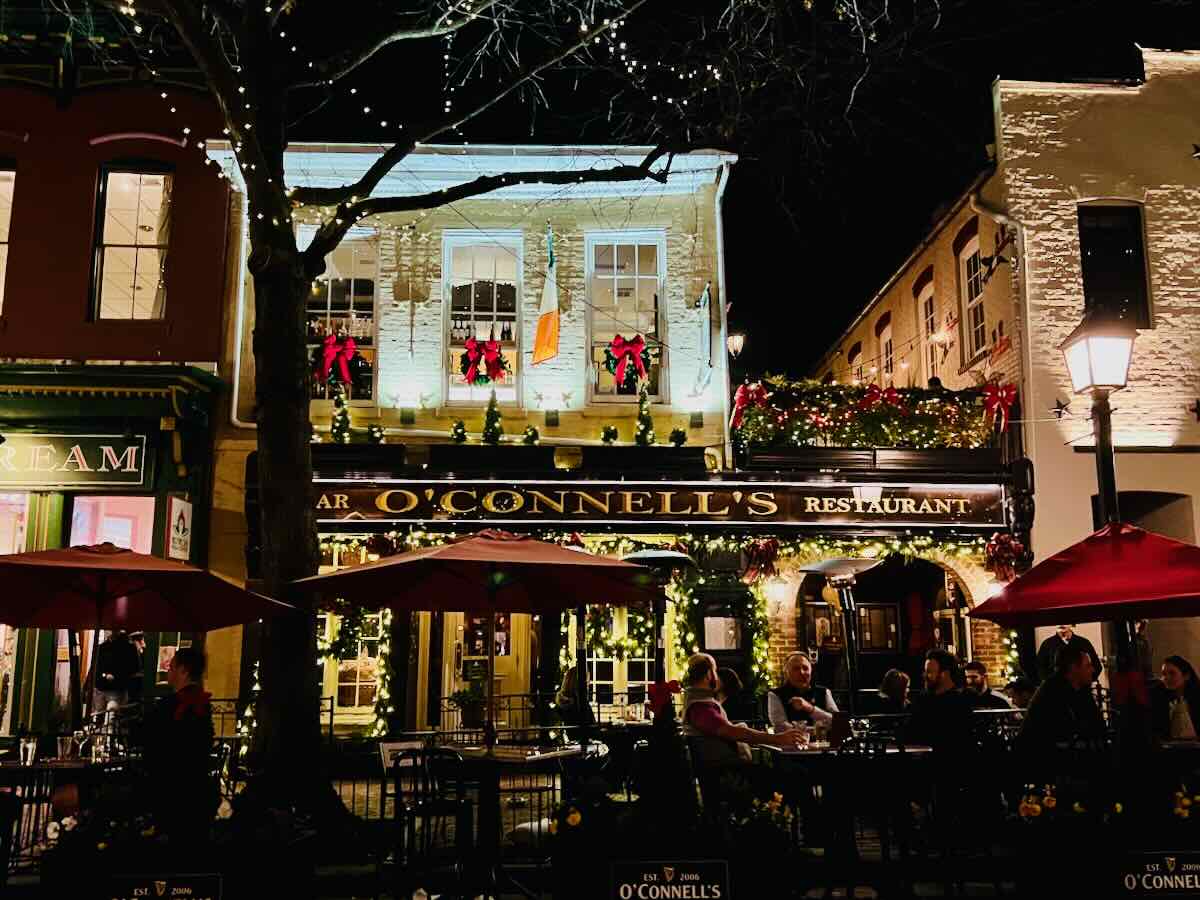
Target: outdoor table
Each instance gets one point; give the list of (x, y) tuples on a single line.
[(487, 768)]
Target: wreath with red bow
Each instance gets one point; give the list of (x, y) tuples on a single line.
[(482, 362), (1001, 555), (619, 355)]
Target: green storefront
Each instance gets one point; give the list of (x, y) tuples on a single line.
[(92, 454)]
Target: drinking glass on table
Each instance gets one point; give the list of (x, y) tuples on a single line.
[(65, 745), (28, 751)]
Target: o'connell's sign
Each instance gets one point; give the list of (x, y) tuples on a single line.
[(696, 502), (73, 460)]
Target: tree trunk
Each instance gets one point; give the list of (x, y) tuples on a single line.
[(289, 747)]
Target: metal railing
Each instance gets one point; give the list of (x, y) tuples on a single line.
[(517, 711)]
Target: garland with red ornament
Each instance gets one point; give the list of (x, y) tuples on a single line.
[(1001, 555)]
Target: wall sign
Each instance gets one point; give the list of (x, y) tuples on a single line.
[(73, 460), (686, 503), (179, 528), (671, 880)]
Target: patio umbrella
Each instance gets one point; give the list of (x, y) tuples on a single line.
[(105, 586), (491, 571), (1121, 572)]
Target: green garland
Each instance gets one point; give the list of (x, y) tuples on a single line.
[(383, 677), (639, 633), (809, 413), (344, 644), (749, 607)]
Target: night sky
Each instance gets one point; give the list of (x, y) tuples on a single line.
[(794, 288)]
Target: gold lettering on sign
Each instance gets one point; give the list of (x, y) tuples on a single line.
[(941, 506), (891, 505), (666, 509), (762, 503), (812, 504), (908, 506), (829, 504), (926, 507), (962, 505), (489, 501), (447, 501), (556, 505), (383, 502), (587, 499), (641, 497), (702, 505)]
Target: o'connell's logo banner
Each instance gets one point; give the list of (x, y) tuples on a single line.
[(696, 502)]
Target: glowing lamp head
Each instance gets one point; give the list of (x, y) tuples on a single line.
[(1098, 353), (736, 343)]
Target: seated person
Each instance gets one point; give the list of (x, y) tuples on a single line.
[(893, 694), (566, 702), (798, 701), (1020, 692), (1063, 712), (1176, 701), (730, 695), (178, 734), (713, 739), (942, 715), (978, 690)]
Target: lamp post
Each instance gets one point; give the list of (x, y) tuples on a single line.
[(1098, 354)]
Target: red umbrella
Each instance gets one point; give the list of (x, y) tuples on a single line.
[(492, 571), (1120, 572), (108, 587)]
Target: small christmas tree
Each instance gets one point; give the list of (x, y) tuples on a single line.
[(678, 437), (375, 434), (643, 435), (458, 432), (531, 436), (492, 429), (339, 425), (608, 434)]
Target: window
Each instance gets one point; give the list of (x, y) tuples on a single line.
[(483, 284), (877, 627), (929, 318), (358, 668), (8, 180), (132, 234), (475, 630), (617, 686), (886, 353), (625, 278), (972, 287), (1113, 258), (341, 303), (854, 361)]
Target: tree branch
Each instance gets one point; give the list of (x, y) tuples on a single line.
[(341, 64), (425, 133), (330, 234)]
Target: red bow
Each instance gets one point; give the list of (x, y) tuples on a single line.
[(340, 352), (660, 694), (625, 350), (760, 559), (892, 397), (489, 352), (872, 397), (192, 699), (746, 395), (997, 401)]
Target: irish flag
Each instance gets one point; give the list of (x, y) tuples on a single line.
[(545, 344)]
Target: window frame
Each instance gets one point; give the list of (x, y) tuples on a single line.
[(1146, 280), (355, 233), (972, 353), (135, 166), (928, 312), (887, 355), (635, 236), (512, 239), (7, 166)]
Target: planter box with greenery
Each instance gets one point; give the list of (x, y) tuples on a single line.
[(491, 458), (634, 461), (469, 702)]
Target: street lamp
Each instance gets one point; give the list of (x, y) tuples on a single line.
[(735, 343), (1098, 354)]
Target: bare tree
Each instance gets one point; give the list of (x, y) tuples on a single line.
[(707, 73)]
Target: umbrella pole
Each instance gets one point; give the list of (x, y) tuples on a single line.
[(489, 728), (849, 622), (581, 671)]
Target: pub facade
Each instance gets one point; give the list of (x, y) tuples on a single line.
[(604, 456)]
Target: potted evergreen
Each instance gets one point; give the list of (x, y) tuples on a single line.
[(469, 703)]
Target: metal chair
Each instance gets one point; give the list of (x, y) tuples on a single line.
[(434, 819), (10, 812)]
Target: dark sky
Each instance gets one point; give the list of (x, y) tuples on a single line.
[(795, 288)]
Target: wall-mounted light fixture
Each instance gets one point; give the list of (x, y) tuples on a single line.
[(736, 343)]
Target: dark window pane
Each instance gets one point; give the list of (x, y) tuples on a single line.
[(636, 671), (1113, 258), (604, 670), (346, 695), (604, 693)]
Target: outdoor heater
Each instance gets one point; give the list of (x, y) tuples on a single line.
[(841, 574), (662, 563)]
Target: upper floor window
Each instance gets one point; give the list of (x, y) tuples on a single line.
[(928, 307), (483, 283), (341, 317), (854, 361), (975, 318), (1113, 257), (887, 357), (133, 230), (625, 271), (8, 179)]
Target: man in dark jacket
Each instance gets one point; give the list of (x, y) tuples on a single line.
[(1065, 636), (1063, 718), (178, 753), (941, 717)]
